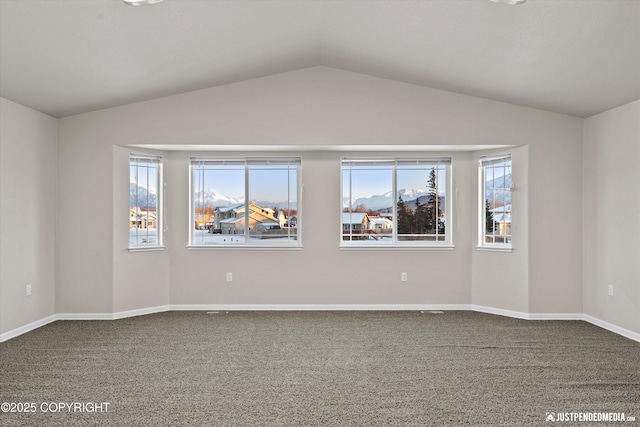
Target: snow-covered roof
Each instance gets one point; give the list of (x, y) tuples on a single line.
[(230, 207), (231, 220), (269, 222), (379, 220), (501, 209), (353, 217), (502, 218)]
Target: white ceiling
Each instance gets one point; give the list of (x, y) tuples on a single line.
[(64, 57)]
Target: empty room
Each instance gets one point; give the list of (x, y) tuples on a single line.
[(341, 213)]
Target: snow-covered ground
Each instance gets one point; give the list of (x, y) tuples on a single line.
[(369, 238), (204, 238), (201, 237), (143, 236)]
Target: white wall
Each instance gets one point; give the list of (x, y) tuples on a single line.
[(321, 273), (84, 269), (323, 107), (27, 215), (612, 216), (141, 277), (501, 279)]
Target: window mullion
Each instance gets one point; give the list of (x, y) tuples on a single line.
[(288, 203), (436, 211), (394, 204), (247, 202), (146, 217), (194, 182), (484, 207), (135, 218), (493, 202), (202, 173), (350, 225)]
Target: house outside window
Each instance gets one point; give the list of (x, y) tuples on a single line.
[(396, 202), (496, 203), (145, 201), (245, 202)]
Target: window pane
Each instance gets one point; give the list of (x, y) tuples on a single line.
[(497, 194), (367, 204), (218, 204), (247, 201), (421, 202), (391, 201), (143, 202), (273, 191)]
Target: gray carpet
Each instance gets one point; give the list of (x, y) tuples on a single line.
[(320, 369)]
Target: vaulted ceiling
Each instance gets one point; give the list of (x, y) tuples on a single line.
[(65, 57)]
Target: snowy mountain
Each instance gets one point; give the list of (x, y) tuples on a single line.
[(500, 182), (411, 194), (278, 205), (411, 204), (144, 198), (214, 198), (381, 201)]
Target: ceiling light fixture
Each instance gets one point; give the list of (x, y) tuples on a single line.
[(139, 2), (512, 2)]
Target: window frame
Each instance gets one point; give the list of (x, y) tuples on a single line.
[(159, 180), (483, 163), (246, 163), (395, 243)]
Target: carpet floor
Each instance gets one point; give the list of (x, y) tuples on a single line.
[(319, 369)]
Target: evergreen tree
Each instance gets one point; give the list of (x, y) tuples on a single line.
[(433, 210), (404, 217), (420, 218), (489, 218)]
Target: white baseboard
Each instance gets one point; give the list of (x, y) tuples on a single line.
[(500, 312), (320, 307), (527, 316), (84, 316), (27, 328), (114, 316), (316, 307), (555, 316), (141, 312), (611, 327)]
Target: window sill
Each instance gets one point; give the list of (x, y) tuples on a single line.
[(494, 248), (146, 249), (244, 247), (396, 248)]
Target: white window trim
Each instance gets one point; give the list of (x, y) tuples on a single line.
[(446, 244), (482, 245), (247, 244), (146, 249), (160, 208), (494, 248)]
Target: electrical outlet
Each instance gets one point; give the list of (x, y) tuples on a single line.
[(610, 290), (403, 276), (28, 290), (229, 277)]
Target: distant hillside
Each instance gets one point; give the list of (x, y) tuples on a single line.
[(500, 182), (215, 199), (382, 201), (411, 204), (145, 199)]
